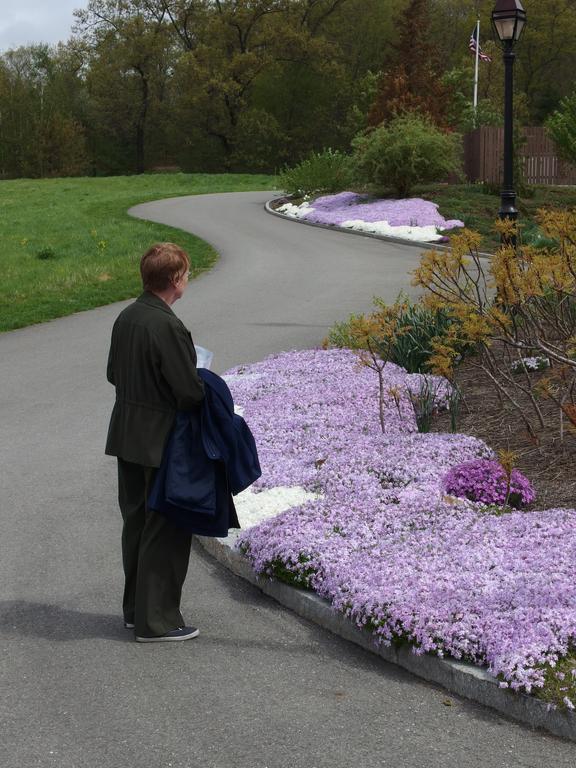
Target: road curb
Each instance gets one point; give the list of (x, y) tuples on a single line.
[(332, 227), (460, 678)]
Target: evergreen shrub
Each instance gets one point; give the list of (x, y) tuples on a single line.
[(408, 150), (321, 172), (561, 126)]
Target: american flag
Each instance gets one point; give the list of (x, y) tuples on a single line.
[(474, 43)]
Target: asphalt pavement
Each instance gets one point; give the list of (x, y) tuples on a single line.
[(260, 687)]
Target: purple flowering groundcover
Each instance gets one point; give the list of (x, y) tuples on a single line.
[(336, 209), (382, 541), (411, 218)]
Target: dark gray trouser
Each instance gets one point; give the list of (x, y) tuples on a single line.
[(155, 556)]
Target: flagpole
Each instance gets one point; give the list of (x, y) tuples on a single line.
[(477, 57)]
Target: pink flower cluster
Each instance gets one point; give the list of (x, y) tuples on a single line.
[(382, 542), (485, 481)]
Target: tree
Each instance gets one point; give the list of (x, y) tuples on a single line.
[(40, 128), (547, 56), (262, 75), (562, 127), (129, 62), (411, 82), (226, 45), (460, 113)]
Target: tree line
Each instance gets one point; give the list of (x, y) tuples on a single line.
[(253, 85)]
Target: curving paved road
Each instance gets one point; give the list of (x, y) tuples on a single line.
[(260, 688), (275, 286)]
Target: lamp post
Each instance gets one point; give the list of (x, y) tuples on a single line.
[(508, 20)]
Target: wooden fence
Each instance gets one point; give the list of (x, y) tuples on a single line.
[(483, 157)]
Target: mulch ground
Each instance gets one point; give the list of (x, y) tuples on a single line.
[(548, 464)]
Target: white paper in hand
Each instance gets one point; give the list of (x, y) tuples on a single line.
[(204, 357)]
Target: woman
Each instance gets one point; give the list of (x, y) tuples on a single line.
[(152, 364)]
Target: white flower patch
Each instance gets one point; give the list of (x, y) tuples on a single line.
[(252, 507), (427, 234), (296, 211), (238, 410), (530, 364)]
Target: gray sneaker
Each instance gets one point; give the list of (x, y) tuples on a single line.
[(182, 633)]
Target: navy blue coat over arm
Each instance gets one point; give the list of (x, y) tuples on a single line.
[(210, 455)]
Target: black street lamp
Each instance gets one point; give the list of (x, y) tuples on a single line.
[(508, 20)]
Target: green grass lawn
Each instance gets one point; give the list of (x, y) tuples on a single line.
[(69, 244), (478, 208)]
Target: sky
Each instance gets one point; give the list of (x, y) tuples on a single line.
[(36, 21)]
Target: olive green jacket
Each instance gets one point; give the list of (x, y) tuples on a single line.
[(152, 364)]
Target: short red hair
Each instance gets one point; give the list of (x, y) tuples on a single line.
[(161, 264)]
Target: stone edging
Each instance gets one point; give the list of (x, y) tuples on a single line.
[(460, 678), (398, 240)]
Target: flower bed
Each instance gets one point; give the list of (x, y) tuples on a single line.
[(380, 539), (411, 219)]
